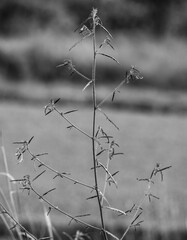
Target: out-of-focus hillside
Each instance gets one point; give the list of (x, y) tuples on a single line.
[(35, 37), (149, 16), (20, 17)]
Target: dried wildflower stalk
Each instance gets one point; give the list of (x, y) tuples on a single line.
[(101, 142)]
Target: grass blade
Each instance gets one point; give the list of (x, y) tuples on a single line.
[(48, 222)]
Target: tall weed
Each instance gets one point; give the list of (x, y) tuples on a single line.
[(104, 149)]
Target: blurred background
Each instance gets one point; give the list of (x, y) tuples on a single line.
[(35, 37)]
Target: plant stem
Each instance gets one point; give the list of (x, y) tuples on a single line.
[(106, 177), (146, 193), (62, 175), (94, 126), (74, 126), (61, 211)]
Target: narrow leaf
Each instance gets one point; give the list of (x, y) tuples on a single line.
[(20, 142), (71, 111), (107, 137), (47, 192), (116, 210), (40, 154), (49, 210), (47, 111), (98, 130), (113, 123), (67, 63), (107, 42), (106, 170), (13, 227), (138, 223), (136, 218), (38, 175), (143, 179), (163, 169), (83, 215), (70, 127), (113, 95), (100, 152), (113, 175), (88, 84), (119, 153), (105, 30), (151, 195), (91, 197), (82, 75), (33, 158), (40, 165), (110, 45), (101, 45), (106, 55), (57, 100), (99, 109), (30, 139)]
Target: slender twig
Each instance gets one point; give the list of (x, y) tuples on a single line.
[(73, 125), (74, 45), (107, 173), (62, 175), (134, 217), (111, 93), (105, 183), (139, 206), (61, 211), (76, 127)]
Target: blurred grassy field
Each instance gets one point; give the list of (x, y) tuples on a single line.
[(34, 58), (129, 98), (153, 130), (145, 139)]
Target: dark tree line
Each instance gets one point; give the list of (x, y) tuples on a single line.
[(150, 16)]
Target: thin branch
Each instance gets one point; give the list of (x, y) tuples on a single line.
[(83, 38), (62, 175), (61, 211), (74, 126), (111, 93), (100, 110)]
